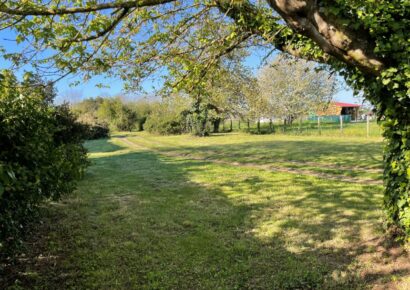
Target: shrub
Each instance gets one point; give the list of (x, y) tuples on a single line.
[(117, 114), (41, 157), (167, 118), (97, 132)]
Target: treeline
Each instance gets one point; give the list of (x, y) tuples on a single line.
[(167, 116), (113, 113), (176, 114), (283, 90)]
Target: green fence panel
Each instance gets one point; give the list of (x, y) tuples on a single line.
[(331, 119)]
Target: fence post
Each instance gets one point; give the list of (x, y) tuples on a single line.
[(318, 125), (367, 125), (341, 124)]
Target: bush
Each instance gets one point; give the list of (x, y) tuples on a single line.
[(97, 132), (41, 158), (166, 119)]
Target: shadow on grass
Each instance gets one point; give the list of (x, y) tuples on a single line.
[(144, 221), (345, 153), (102, 146)]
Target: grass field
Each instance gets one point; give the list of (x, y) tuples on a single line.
[(228, 211)]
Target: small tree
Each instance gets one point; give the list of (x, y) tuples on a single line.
[(118, 115), (293, 89), (142, 109), (169, 116)]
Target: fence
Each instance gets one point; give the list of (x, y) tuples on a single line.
[(331, 119), (309, 127)]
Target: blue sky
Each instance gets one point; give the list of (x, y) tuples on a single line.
[(89, 88), (66, 92)]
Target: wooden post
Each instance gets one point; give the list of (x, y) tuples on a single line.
[(367, 125), (230, 126), (239, 124), (341, 124), (318, 125)]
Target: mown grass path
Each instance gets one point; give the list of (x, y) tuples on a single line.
[(155, 213)]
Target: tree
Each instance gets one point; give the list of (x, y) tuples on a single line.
[(87, 109), (229, 91), (293, 89), (258, 106), (117, 114), (364, 40), (169, 115), (224, 93), (143, 109)]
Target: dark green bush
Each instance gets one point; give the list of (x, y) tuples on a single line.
[(165, 126), (41, 157), (97, 132)]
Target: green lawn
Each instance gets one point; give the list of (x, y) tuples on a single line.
[(225, 212)]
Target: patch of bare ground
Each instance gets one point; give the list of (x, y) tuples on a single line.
[(384, 261)]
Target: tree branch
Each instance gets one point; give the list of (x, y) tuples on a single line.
[(43, 11), (346, 45)]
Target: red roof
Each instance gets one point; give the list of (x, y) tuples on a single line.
[(339, 104)]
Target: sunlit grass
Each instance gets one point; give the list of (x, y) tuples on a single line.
[(343, 156), (142, 219)]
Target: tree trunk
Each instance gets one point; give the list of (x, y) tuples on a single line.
[(216, 124), (239, 124), (258, 125), (270, 125), (230, 126), (329, 33), (249, 125), (397, 169)]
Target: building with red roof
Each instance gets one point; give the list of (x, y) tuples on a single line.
[(340, 108)]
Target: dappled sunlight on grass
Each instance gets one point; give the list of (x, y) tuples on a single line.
[(145, 220), (342, 156), (303, 209)]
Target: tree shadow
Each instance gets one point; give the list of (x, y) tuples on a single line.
[(102, 146), (147, 221), (367, 155)]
